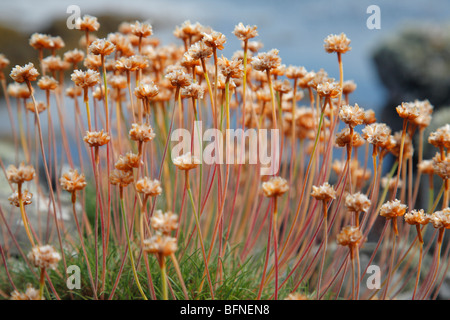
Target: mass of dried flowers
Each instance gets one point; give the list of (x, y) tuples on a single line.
[(137, 92)]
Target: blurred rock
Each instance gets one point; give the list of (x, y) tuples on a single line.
[(414, 64)]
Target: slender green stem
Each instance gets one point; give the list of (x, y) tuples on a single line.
[(130, 250), (164, 278)]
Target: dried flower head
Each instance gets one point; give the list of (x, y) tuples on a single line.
[(87, 23), (441, 137), (30, 294), (426, 167), (282, 86), (85, 79), (343, 138), (200, 50), (392, 209), (121, 178), (441, 166), (408, 111), (253, 46), (73, 92), (337, 43), (102, 47), (21, 174), (179, 78), (186, 161), (4, 62), (141, 132), (352, 116), (417, 217), (40, 41), (369, 117), (164, 222), (27, 73), (245, 32), (142, 30), (72, 181), (26, 198), (44, 257), (274, 187), (47, 83), (357, 202), (349, 236), (160, 244), (149, 187), (146, 90), (377, 134), (325, 192), (425, 112), (266, 60), (328, 89), (128, 162), (194, 90), (214, 39), (96, 138), (441, 219), (230, 69), (348, 87), (74, 56), (40, 106)]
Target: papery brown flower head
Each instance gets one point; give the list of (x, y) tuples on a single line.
[(85, 79), (26, 198), (121, 178), (142, 30), (87, 23), (149, 187), (352, 115), (357, 202), (142, 133), (266, 60), (160, 244), (245, 32), (102, 47), (21, 174), (24, 74), (44, 257), (393, 209), (324, 192), (337, 43), (164, 222), (186, 161), (275, 186), (72, 181), (417, 217), (441, 219), (349, 236), (96, 138)]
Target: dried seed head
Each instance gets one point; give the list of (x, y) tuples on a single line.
[(57, 43), (425, 112), (121, 178), (352, 116), (441, 137), (73, 92), (74, 56), (369, 117), (47, 83), (93, 62), (44, 257), (348, 87), (293, 72), (426, 167), (357, 202), (230, 69), (391, 183), (142, 30), (125, 64), (253, 46), (164, 222), (349, 236), (24, 74), (118, 82), (178, 78), (328, 89), (245, 32), (441, 219), (128, 162), (85, 79), (21, 174), (282, 86), (40, 106), (392, 209), (41, 41), (141, 132), (186, 161), (54, 64), (337, 43), (194, 90), (200, 50), (214, 39), (102, 47), (72, 181), (441, 166), (26, 198), (146, 91), (30, 294), (149, 187), (266, 60), (377, 134), (325, 192), (96, 138), (408, 111), (4, 62), (343, 138), (88, 23), (161, 245), (274, 187), (417, 217)]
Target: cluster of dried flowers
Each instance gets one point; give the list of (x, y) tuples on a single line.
[(134, 83)]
